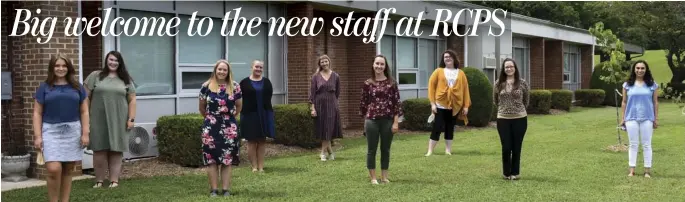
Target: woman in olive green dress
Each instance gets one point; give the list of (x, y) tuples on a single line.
[(112, 108)]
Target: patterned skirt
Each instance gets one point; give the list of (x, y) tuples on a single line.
[(62, 142)]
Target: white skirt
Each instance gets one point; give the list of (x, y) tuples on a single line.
[(62, 141)]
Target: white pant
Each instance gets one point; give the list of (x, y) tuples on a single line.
[(640, 132)]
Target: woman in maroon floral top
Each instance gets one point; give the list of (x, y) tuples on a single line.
[(381, 108)]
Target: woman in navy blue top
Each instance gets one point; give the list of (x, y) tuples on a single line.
[(640, 108), (257, 116), (60, 125)]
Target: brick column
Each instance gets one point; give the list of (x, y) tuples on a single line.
[(360, 58), (554, 64), (92, 45), (537, 63), (456, 43), (33, 69), (301, 60), (586, 57)]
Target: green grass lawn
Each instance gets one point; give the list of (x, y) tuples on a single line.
[(657, 64), (564, 159)]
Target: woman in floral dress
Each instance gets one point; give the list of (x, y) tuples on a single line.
[(220, 102)]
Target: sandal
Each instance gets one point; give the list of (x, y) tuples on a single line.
[(98, 184), (647, 175), (113, 184)]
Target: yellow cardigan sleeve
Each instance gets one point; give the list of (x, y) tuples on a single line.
[(466, 93), (432, 85)]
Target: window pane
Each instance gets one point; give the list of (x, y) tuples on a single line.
[(407, 78), (519, 57), (387, 50), (200, 49), (566, 64), (243, 49), (428, 59), (194, 80), (149, 59), (406, 53)]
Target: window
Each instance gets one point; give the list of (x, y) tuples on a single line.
[(428, 60), (412, 60), (193, 80), (571, 64), (387, 47), (242, 50), (199, 49), (149, 59)]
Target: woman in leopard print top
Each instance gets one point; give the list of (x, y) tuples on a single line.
[(511, 95)]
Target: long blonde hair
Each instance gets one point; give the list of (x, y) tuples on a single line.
[(213, 81)]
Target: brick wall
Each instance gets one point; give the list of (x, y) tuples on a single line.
[(92, 45), (300, 56), (586, 57), (30, 65), (554, 62), (360, 62), (349, 56), (537, 62), (12, 61), (456, 43)]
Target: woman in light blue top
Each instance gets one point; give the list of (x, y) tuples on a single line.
[(640, 110)]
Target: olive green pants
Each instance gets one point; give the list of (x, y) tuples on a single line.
[(375, 130)]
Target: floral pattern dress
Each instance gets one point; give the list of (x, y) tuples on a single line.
[(220, 143)]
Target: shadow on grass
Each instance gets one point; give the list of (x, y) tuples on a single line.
[(474, 153), (259, 194)]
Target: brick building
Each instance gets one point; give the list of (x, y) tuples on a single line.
[(168, 70)]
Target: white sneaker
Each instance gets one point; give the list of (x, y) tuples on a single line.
[(323, 157), (332, 156), (374, 181), (429, 153)]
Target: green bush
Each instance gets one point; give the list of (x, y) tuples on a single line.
[(295, 125), (609, 88), (480, 89), (540, 102), (562, 99), (590, 97), (416, 113), (493, 117), (179, 140)]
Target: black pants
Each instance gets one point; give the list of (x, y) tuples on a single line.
[(511, 132), (443, 122)]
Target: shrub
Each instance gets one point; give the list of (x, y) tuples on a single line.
[(480, 89), (493, 117), (590, 97), (540, 102), (562, 99), (609, 88), (295, 125), (416, 113), (179, 140)]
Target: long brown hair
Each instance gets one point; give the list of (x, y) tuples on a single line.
[(503, 76), (213, 81), (386, 72), (122, 72), (71, 72), (454, 58)]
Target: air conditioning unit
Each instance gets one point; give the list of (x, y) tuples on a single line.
[(489, 62), (142, 142)]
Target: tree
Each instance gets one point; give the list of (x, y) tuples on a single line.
[(609, 44), (665, 24)]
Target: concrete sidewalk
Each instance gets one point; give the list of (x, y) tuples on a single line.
[(6, 186)]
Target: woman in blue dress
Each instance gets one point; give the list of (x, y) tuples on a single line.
[(257, 120), (220, 102)]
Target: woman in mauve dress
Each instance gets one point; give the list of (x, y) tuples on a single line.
[(323, 96)]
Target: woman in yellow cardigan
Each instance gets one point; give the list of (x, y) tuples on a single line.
[(448, 91)]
